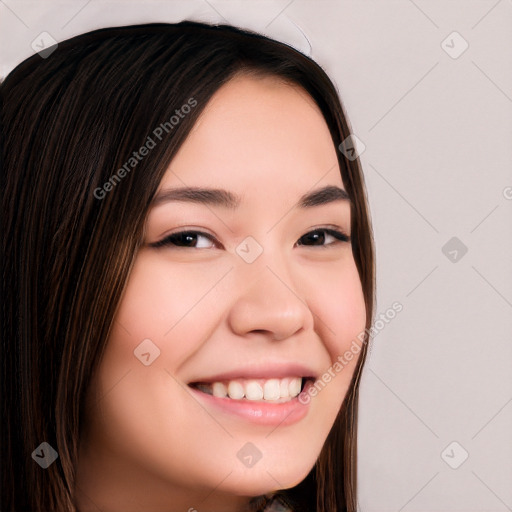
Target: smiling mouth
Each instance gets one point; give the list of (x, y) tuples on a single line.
[(273, 390)]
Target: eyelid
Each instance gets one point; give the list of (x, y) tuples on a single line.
[(331, 229), (165, 240), (335, 231)]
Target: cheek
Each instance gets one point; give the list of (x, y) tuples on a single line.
[(340, 306), (340, 321), (168, 306)]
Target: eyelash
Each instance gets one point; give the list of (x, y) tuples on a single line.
[(168, 241)]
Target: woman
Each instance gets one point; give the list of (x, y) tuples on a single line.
[(188, 263)]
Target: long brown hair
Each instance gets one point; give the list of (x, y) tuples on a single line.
[(69, 122)]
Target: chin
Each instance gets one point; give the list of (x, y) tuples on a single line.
[(265, 479)]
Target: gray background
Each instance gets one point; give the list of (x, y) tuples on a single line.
[(437, 130)]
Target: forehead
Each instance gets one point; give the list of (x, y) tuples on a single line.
[(257, 132)]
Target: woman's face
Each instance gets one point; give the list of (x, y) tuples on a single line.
[(261, 298)]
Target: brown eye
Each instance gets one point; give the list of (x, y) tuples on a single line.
[(318, 237), (187, 239)]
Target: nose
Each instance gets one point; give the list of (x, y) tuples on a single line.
[(269, 304)]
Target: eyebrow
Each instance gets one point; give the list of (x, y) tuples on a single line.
[(224, 198)]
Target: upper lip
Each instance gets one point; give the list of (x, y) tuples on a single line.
[(262, 371)]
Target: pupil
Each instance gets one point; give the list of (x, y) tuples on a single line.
[(316, 236), (187, 238)]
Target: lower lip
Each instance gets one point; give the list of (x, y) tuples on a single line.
[(259, 412)]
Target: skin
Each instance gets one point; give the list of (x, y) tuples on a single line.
[(148, 444)]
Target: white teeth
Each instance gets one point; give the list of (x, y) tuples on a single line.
[(255, 389), (219, 390), (295, 385), (284, 388), (271, 390), (235, 390)]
